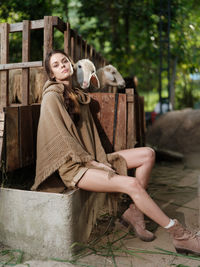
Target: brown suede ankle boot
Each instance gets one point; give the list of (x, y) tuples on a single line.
[(135, 218), (183, 240)]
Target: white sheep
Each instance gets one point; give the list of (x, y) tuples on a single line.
[(85, 74), (110, 76)]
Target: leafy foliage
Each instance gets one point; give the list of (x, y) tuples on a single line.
[(126, 32)]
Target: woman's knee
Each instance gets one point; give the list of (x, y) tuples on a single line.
[(134, 187), (150, 154)]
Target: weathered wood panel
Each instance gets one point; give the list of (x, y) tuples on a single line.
[(35, 25), (12, 160), (21, 133), (4, 60), (142, 120), (137, 119), (120, 136), (67, 44), (48, 35), (131, 127), (10, 66), (25, 58), (26, 145), (2, 124), (103, 110), (35, 119)]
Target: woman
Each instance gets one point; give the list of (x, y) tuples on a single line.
[(70, 154)]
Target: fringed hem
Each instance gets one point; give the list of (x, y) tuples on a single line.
[(46, 173), (120, 166), (118, 163)]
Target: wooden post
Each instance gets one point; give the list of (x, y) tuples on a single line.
[(48, 38), (81, 48), (84, 49), (138, 120), (75, 46), (131, 129), (25, 58), (67, 40), (48, 35), (4, 30), (142, 121), (72, 47)]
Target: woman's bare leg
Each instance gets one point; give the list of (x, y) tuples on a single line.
[(143, 159), (98, 181)]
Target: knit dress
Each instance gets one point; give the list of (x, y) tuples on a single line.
[(65, 150)]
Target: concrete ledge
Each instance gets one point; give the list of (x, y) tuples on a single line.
[(47, 224)]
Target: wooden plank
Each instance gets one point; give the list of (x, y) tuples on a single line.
[(142, 120), (94, 57), (48, 35), (75, 46), (102, 108), (137, 120), (91, 49), (25, 136), (81, 52), (85, 49), (21, 134), (25, 58), (107, 114), (34, 25), (12, 139), (88, 51), (72, 48), (120, 136), (4, 27), (38, 24), (67, 40), (131, 129), (35, 119), (59, 24), (2, 126), (21, 65)]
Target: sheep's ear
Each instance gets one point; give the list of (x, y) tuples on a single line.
[(75, 66), (71, 69), (94, 81)]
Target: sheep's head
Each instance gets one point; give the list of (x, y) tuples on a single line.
[(113, 77), (86, 74)]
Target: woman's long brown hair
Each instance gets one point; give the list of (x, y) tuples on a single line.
[(70, 99)]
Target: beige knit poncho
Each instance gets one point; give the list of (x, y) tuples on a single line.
[(59, 140)]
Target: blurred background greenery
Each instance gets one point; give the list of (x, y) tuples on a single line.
[(126, 33)]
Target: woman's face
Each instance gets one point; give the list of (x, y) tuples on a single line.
[(61, 67)]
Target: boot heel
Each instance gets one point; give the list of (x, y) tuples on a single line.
[(124, 223), (181, 251)]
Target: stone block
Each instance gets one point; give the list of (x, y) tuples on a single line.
[(47, 224)]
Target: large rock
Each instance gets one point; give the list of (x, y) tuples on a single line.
[(177, 131)]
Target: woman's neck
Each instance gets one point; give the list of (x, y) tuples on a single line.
[(67, 83)]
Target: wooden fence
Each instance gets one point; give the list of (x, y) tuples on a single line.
[(18, 122)]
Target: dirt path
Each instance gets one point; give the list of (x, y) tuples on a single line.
[(174, 187)]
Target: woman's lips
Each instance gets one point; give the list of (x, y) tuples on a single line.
[(65, 71)]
